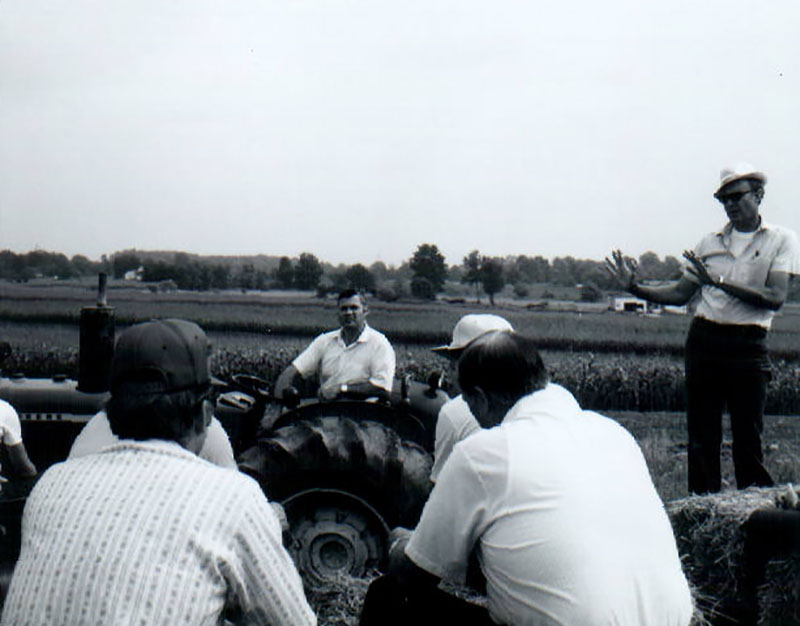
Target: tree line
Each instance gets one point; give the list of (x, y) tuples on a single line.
[(424, 275)]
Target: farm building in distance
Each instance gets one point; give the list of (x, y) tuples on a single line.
[(630, 304)]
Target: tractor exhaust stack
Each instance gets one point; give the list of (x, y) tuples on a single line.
[(96, 343)]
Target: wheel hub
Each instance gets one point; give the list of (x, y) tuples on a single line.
[(334, 533)]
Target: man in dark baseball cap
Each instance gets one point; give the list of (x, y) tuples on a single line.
[(145, 531), (157, 357)]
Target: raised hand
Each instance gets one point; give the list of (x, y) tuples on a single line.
[(698, 269), (622, 269)]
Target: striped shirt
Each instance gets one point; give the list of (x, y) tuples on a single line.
[(147, 533)]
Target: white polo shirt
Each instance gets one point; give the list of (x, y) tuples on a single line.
[(370, 358), (567, 524), (454, 423), (771, 249), (10, 428), (97, 434)]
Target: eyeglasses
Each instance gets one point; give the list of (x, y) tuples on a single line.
[(731, 197)]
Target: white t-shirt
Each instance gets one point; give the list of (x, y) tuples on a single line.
[(97, 434), (455, 422), (370, 358), (567, 524), (10, 428)]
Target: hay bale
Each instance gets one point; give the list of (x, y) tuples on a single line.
[(708, 531), (779, 595)]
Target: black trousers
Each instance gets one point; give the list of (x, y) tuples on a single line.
[(726, 366), (389, 604)]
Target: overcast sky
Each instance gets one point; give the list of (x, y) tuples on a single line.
[(357, 130)]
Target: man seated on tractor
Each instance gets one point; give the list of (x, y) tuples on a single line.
[(557, 501), (145, 532), (353, 361), (455, 422)]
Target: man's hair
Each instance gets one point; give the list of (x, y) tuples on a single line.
[(156, 414), (351, 293), (505, 364)]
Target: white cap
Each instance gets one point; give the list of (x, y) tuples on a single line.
[(738, 171), (472, 326)]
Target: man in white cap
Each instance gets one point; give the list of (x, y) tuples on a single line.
[(455, 421), (736, 278)]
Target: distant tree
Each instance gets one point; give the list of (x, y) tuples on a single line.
[(671, 268), (247, 277), (124, 262), (284, 274), (359, 277), (649, 265), (428, 263), (83, 266), (379, 270), (563, 271), (220, 277), (491, 274), (590, 293), (422, 288), (472, 272), (307, 272)]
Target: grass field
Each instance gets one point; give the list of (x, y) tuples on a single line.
[(631, 367), (627, 366)]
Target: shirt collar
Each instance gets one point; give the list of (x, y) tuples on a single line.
[(726, 230), (158, 446), (553, 400), (362, 338)]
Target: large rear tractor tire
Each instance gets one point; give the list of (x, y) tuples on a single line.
[(343, 483)]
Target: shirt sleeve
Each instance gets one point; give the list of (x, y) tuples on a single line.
[(263, 576), (454, 518), (788, 257), (308, 361), (217, 446), (10, 428), (383, 365), (443, 444)]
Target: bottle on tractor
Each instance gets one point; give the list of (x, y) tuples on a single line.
[(345, 471)]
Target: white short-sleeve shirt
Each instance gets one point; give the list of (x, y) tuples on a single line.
[(454, 423), (10, 428), (566, 521), (97, 434), (771, 249), (370, 358)]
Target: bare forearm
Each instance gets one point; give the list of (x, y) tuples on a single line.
[(767, 297), (20, 463), (661, 294), (366, 388), (286, 380)]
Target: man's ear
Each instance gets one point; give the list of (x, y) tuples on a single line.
[(478, 403)]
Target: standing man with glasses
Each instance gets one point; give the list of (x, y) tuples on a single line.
[(735, 280)]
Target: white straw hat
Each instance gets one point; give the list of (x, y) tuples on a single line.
[(738, 171)]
